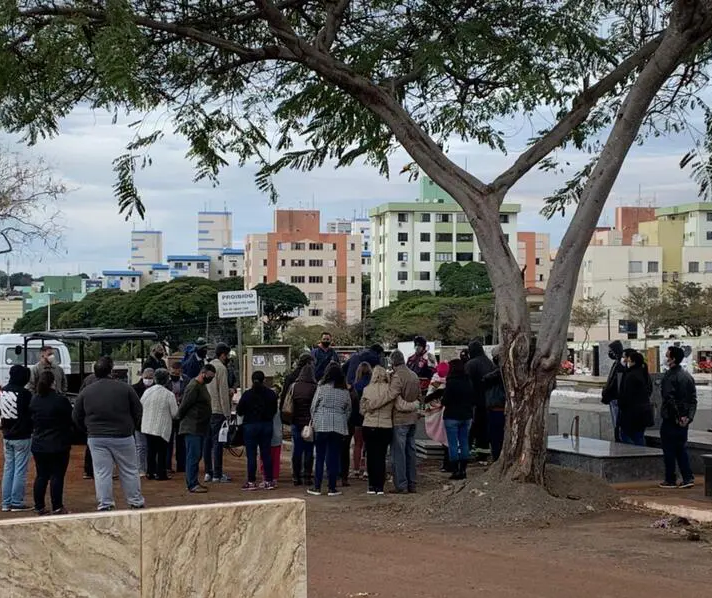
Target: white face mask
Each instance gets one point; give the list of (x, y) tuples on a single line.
[(148, 381), (50, 358)]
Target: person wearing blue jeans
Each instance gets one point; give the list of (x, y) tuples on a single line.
[(458, 431), (328, 451), (193, 451), (17, 458), (458, 401), (16, 425), (302, 457), (403, 458)]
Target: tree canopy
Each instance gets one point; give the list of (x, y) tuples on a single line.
[(587, 313), (281, 303), (457, 280)]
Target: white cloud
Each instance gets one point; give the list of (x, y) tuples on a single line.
[(97, 237)]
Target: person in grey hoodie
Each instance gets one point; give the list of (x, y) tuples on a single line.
[(404, 391)]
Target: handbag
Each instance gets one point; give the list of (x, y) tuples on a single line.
[(308, 433), (223, 433), (235, 433), (288, 406)]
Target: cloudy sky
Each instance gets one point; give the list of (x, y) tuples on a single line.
[(97, 237)]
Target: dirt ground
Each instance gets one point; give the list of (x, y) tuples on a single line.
[(361, 546)]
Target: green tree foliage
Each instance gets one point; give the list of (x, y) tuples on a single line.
[(452, 320), (457, 280), (280, 304), (587, 313), (17, 279), (687, 305), (178, 311), (644, 304)]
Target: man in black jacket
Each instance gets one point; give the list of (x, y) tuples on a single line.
[(291, 378), (677, 411), (16, 426), (477, 368), (373, 356), (611, 391)]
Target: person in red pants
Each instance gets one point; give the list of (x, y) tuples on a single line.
[(275, 450)]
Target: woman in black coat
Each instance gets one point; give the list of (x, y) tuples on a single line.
[(634, 408)]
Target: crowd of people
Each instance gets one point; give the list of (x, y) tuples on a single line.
[(628, 393), (345, 420)]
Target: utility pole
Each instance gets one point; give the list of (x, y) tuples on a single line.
[(608, 318), (207, 326), (49, 310)]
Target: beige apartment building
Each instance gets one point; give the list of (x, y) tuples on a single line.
[(325, 266), (534, 258)]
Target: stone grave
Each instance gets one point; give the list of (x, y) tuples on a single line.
[(614, 462)]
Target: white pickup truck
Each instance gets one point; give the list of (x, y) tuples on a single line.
[(12, 352)]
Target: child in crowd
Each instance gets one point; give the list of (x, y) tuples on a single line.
[(435, 392), (276, 449)]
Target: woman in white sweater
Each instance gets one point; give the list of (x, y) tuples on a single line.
[(159, 410)]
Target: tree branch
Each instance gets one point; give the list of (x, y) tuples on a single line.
[(581, 107), (335, 14)]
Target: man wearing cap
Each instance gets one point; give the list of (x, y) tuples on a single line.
[(220, 401), (194, 364)]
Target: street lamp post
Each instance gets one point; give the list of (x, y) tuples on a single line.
[(49, 310)]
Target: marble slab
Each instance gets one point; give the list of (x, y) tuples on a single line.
[(592, 447), (247, 550), (71, 556)]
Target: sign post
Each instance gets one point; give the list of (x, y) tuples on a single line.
[(238, 304)]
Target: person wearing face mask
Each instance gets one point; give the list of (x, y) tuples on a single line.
[(155, 360), (141, 387), (47, 362), (177, 385), (634, 407), (195, 362), (422, 362), (194, 416), (611, 392), (323, 355), (221, 404)]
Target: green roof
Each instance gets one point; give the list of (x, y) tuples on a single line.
[(684, 208), (418, 206)]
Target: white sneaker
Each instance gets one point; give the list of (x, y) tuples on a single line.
[(208, 478), (336, 493)]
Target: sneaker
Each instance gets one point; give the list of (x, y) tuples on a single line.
[(87, 476), (224, 479), (6, 509), (20, 508), (335, 493), (60, 511), (106, 509), (371, 491), (198, 489), (137, 506), (249, 486), (208, 478), (380, 493), (42, 512), (270, 485), (314, 491), (668, 485), (687, 485)]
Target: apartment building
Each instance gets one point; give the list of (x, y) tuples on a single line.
[(11, 310), (357, 226), (214, 236), (325, 266), (146, 247), (125, 280), (189, 265), (233, 263), (534, 257), (411, 240)]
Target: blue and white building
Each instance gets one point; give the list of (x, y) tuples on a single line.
[(125, 280), (189, 265)]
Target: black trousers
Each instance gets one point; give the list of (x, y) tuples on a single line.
[(157, 451), (51, 469), (377, 441), (346, 456)]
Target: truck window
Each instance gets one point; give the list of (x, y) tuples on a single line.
[(33, 356)]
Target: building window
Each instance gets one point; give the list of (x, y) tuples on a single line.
[(219, 272), (316, 263), (316, 296), (423, 275), (709, 216), (443, 237), (425, 256), (403, 256), (178, 265), (402, 237), (635, 267), (709, 232), (331, 263), (464, 237), (201, 265), (443, 217), (316, 246), (232, 273), (330, 279), (316, 280), (264, 279), (425, 217), (653, 267), (425, 237), (298, 263), (353, 280), (402, 276), (443, 257), (264, 263), (693, 267), (665, 277), (298, 247), (262, 245), (402, 217), (464, 257), (541, 278), (284, 263), (297, 280), (315, 312), (461, 218), (504, 218), (280, 246), (537, 261)]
